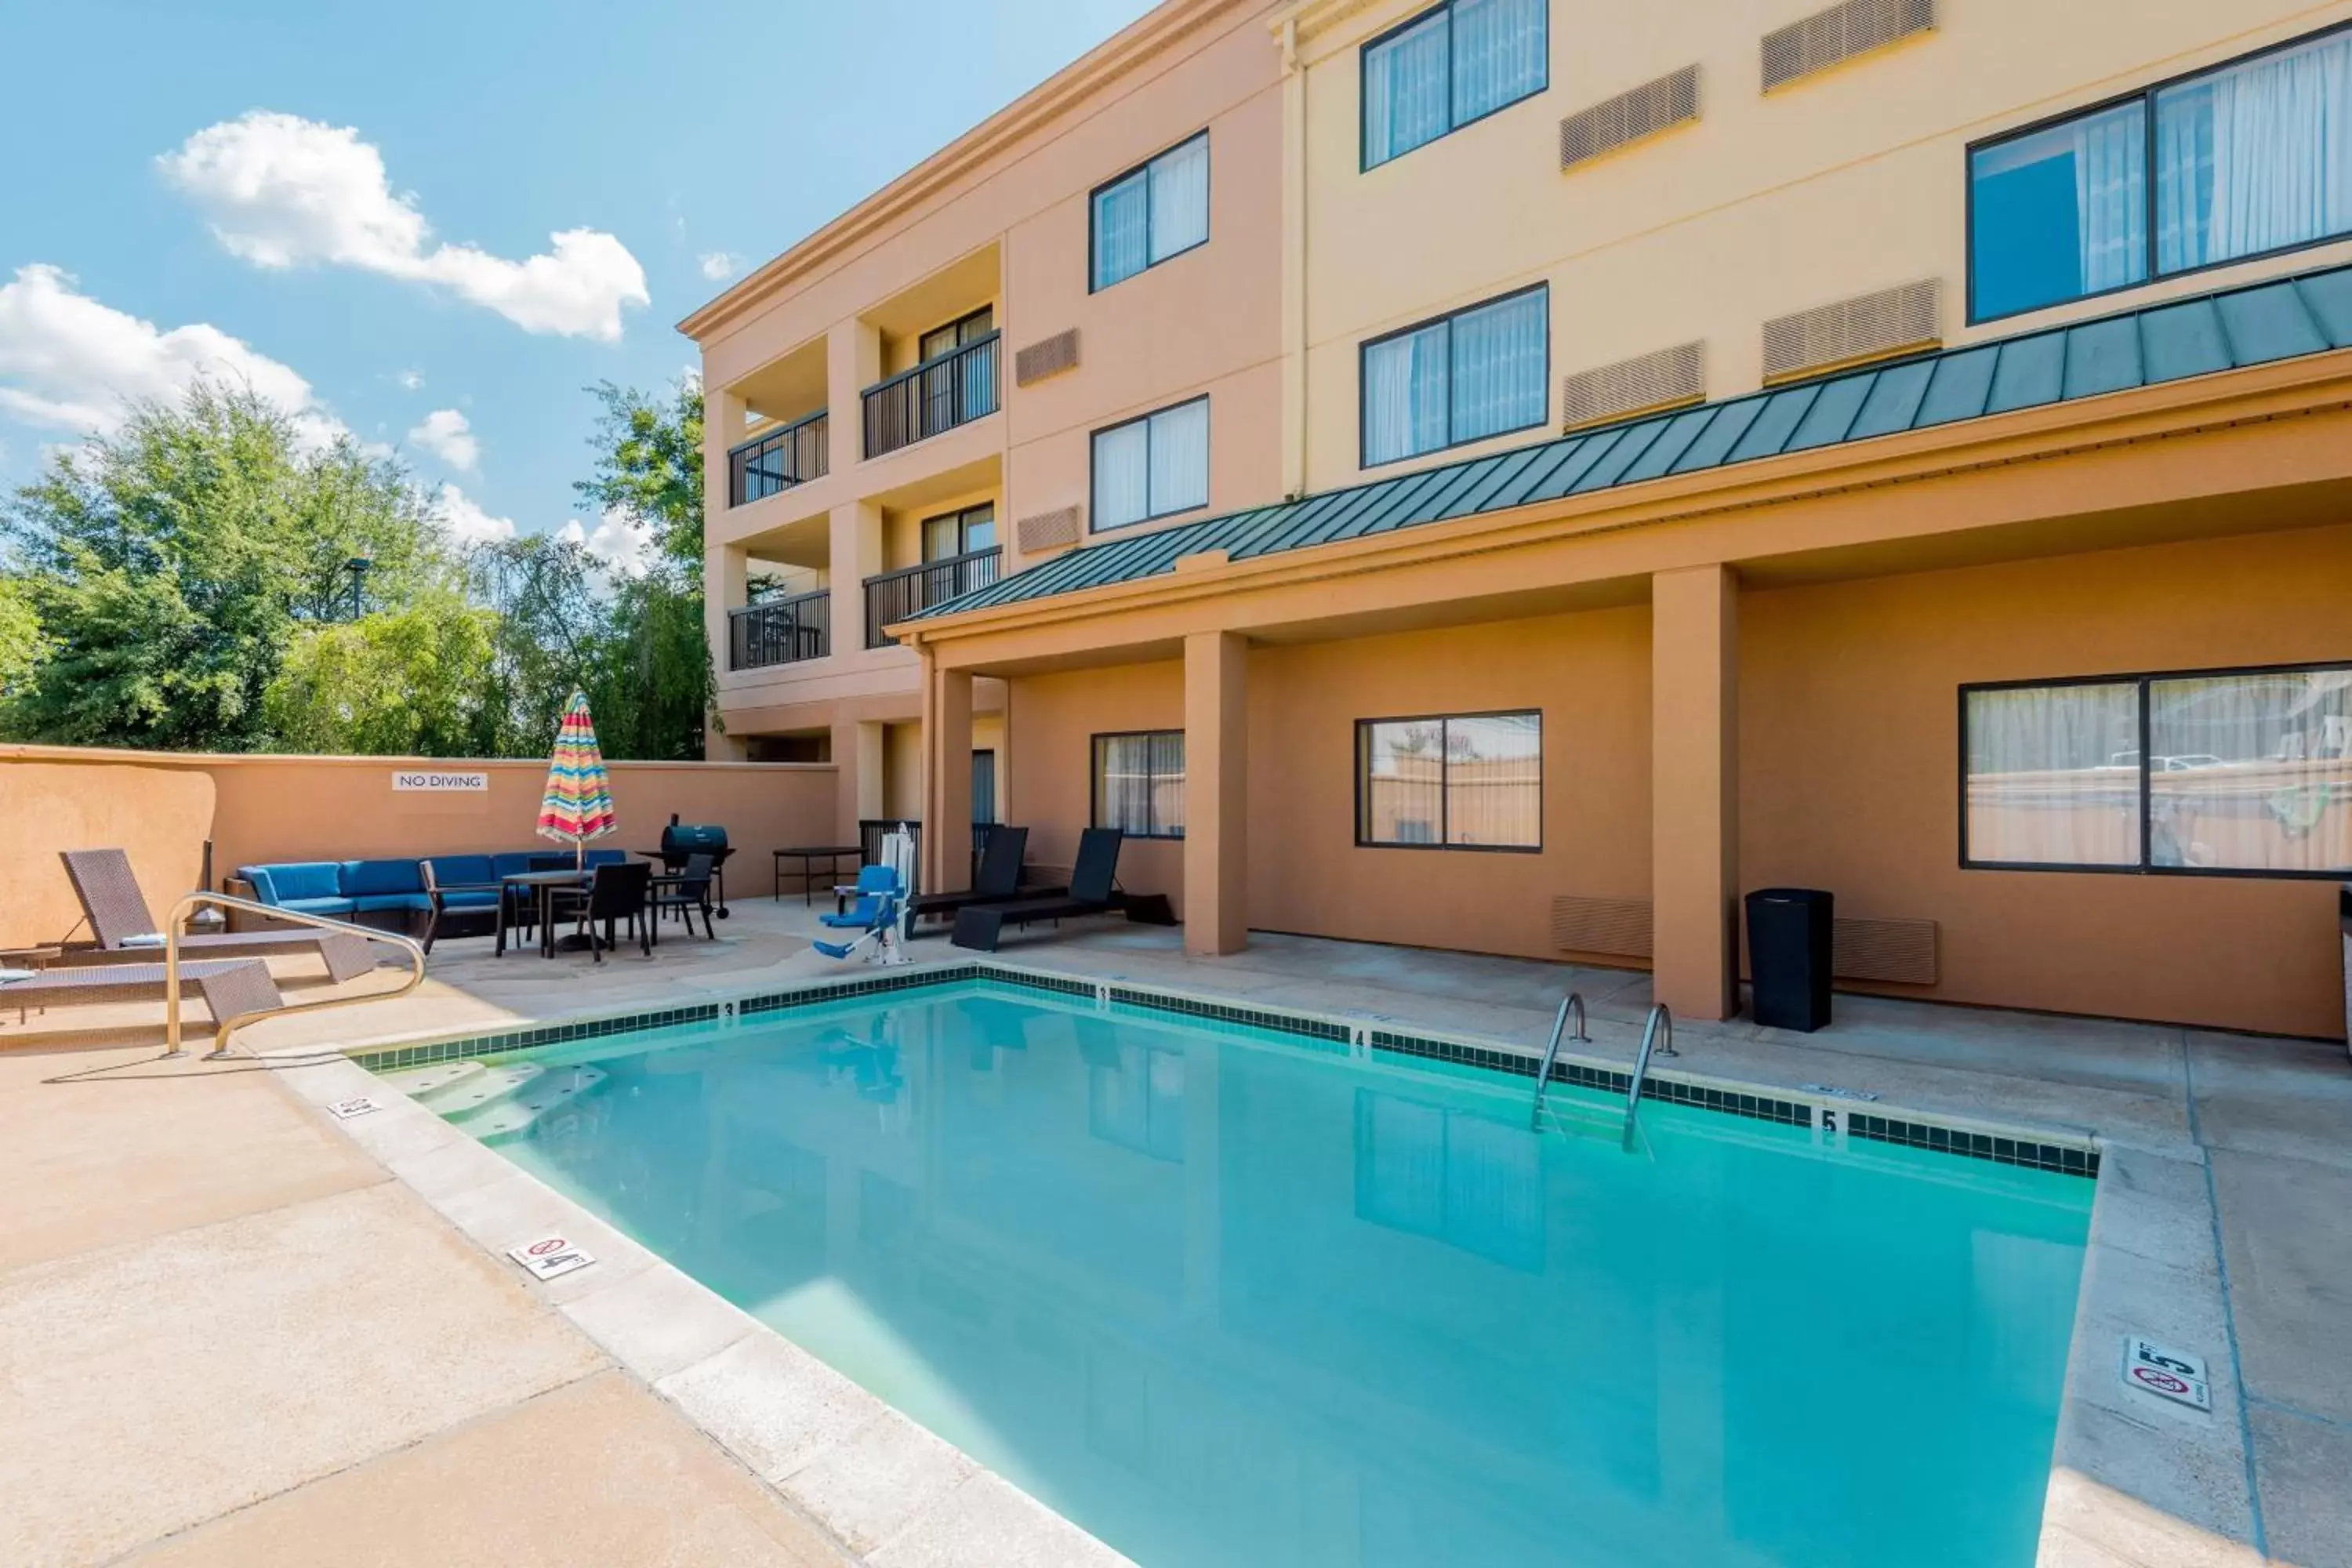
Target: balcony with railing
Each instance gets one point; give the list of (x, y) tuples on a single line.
[(780, 631), (948, 390), (894, 595), (775, 461)]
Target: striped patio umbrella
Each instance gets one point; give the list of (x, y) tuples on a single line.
[(578, 804)]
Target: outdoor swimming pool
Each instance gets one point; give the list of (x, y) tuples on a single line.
[(1222, 1295)]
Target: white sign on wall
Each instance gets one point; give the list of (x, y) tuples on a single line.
[(442, 783)]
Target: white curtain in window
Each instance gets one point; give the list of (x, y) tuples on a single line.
[(1498, 54), (1122, 229), (1405, 94), (2054, 775), (1494, 780), (2111, 197), (1123, 784), (1165, 756), (1499, 354), (2251, 772), (1122, 476), (1405, 382), (2257, 157), (1179, 198), (1179, 458)]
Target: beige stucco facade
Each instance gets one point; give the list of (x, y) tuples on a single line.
[(1747, 676)]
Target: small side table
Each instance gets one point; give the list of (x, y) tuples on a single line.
[(831, 853)]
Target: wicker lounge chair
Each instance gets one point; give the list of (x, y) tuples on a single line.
[(999, 882), (1093, 891), (119, 917), (231, 987)]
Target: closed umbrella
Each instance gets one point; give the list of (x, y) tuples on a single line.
[(578, 804)]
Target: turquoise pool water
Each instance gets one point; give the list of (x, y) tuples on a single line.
[(1222, 1296)]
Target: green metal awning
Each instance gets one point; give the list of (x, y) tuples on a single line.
[(2278, 319)]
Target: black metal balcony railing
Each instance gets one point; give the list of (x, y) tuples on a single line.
[(780, 459), (938, 395), (894, 595), (780, 631)]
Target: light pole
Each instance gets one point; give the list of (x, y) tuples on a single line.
[(358, 567)]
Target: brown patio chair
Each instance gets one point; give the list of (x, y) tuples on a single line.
[(231, 987), (117, 914)]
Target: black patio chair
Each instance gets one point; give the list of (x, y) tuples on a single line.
[(614, 894), (689, 892)]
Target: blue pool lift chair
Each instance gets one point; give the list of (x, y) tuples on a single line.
[(876, 916)]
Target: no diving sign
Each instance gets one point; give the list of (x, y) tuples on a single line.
[(2168, 1373), (550, 1258)]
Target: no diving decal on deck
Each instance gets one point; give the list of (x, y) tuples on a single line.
[(2168, 1373), (550, 1258), (344, 1109)]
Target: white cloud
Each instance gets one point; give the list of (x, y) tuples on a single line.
[(409, 379), (719, 265), (280, 191), (448, 436), (69, 363), (623, 545), (464, 520)]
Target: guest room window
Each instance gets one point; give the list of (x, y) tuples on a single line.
[(1151, 467), (2245, 160), (2219, 773), (1462, 782), (1448, 66), (1150, 215), (1464, 377), (1138, 784)]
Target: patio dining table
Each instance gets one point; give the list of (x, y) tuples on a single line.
[(539, 886)]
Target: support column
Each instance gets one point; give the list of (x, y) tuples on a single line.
[(1695, 789), (947, 778), (854, 553), (725, 576), (1216, 784)]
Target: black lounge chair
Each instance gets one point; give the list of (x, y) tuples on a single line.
[(999, 882), (1092, 892)]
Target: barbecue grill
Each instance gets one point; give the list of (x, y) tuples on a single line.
[(682, 840)]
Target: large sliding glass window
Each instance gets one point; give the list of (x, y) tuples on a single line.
[(1138, 784), (1150, 214), (1465, 782), (2243, 772), (2252, 158), (1478, 372), (1448, 66), (1151, 467)]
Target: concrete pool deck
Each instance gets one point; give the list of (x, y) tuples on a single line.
[(311, 1347)]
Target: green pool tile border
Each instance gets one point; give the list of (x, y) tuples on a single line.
[(1318, 1031), (1305, 1024)]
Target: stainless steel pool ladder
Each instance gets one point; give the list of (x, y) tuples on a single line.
[(1658, 1032), (1573, 1003)]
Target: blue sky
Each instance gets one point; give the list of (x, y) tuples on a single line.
[(195, 186)]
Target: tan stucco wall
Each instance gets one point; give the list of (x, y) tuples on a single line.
[(1838, 186), (1848, 773), (163, 808), (1849, 742)]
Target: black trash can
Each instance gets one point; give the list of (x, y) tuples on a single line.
[(1789, 936)]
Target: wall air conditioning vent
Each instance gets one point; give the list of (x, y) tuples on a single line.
[(1896, 952), (1617, 927), (1839, 34), (1619, 121), (1050, 357), (1639, 385), (1048, 530), (1902, 319)]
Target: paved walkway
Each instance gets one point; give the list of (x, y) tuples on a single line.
[(228, 1336)]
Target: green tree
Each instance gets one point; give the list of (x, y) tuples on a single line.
[(170, 565), (648, 672), (22, 645), (412, 681)]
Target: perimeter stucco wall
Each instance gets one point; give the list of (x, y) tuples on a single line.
[(1848, 769), (1842, 184), (163, 806)]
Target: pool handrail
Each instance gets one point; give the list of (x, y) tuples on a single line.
[(1660, 1023), (227, 1026), (1573, 1002)]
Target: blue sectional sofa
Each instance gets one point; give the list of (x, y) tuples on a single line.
[(394, 895)]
